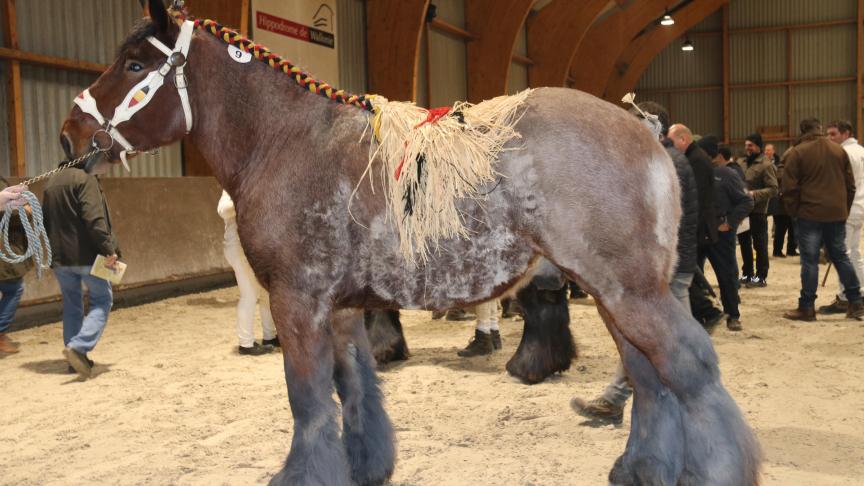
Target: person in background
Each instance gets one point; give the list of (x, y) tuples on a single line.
[(782, 222), (251, 293), (11, 274), (819, 190), (840, 132), (761, 179), (78, 224), (731, 205), (487, 335)]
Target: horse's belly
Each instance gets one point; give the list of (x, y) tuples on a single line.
[(458, 272)]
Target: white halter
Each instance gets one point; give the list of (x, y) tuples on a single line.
[(142, 93)]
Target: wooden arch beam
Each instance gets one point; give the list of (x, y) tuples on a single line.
[(554, 35), (393, 32), (639, 54), (605, 42), (496, 24)]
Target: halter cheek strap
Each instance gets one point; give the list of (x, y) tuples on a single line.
[(142, 93)]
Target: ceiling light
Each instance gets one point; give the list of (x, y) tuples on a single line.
[(687, 46), (667, 19)]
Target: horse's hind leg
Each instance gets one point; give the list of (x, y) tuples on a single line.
[(317, 456), (686, 429), (366, 429)]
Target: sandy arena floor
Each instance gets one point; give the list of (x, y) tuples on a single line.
[(173, 403)]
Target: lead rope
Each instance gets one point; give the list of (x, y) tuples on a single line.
[(38, 246)]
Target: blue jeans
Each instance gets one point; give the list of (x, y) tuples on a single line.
[(811, 236), (79, 332), (11, 291)]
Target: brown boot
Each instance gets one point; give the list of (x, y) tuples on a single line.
[(6, 346), (855, 311), (598, 409), (799, 314)]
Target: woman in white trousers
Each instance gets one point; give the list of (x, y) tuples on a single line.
[(251, 292)]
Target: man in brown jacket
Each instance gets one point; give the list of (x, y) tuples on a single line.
[(818, 190)]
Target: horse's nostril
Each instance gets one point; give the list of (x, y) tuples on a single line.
[(66, 144)]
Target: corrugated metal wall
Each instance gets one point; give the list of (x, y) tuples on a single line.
[(448, 57), (518, 79), (352, 45), (84, 29), (4, 121), (819, 53)]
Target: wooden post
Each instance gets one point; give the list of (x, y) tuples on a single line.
[(726, 120), (858, 73), (790, 129), (17, 162)]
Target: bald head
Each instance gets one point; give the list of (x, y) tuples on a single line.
[(681, 137)]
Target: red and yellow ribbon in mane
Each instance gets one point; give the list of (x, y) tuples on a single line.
[(234, 38)]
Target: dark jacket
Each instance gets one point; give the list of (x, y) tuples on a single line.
[(775, 205), (761, 178), (18, 242), (77, 219), (818, 184), (730, 199), (703, 171), (688, 227)]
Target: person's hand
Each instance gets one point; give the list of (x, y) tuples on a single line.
[(724, 228), (111, 262), (12, 195), (750, 193)]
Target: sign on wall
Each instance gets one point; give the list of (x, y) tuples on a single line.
[(302, 31)]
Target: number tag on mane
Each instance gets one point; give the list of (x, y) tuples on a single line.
[(239, 55)]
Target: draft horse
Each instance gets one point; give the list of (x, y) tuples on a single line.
[(290, 160)]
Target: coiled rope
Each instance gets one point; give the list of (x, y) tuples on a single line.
[(38, 246)]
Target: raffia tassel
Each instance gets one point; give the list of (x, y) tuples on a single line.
[(458, 160)]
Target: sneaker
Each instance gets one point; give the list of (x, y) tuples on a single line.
[(779, 254), (756, 282), (744, 280), (799, 314), (460, 315), (598, 409), (734, 324), (792, 253), (479, 345), (836, 307), (496, 339), (255, 350), (578, 294), (271, 342), (855, 311), (6, 345), (79, 362)]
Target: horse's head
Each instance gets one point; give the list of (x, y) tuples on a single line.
[(140, 102)]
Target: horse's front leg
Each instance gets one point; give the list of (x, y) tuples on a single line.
[(317, 456), (366, 429)]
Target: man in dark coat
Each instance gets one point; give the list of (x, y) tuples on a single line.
[(79, 228), (731, 205), (818, 190), (761, 179)]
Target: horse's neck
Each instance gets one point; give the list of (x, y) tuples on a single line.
[(247, 115)]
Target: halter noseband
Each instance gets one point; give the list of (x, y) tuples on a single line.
[(142, 93)]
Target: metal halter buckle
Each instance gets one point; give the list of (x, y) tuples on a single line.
[(95, 144), (177, 59)]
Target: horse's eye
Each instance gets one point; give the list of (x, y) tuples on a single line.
[(135, 67)]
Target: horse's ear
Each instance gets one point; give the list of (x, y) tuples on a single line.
[(159, 15)]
